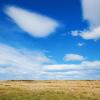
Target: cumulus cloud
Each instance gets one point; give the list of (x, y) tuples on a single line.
[(35, 24), (93, 34), (91, 13), (73, 57)]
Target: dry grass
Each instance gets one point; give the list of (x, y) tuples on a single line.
[(49, 90)]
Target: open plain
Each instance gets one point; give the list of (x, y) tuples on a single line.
[(49, 90)]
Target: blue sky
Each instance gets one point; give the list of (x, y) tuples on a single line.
[(49, 39)]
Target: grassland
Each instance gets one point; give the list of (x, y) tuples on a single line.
[(49, 90)]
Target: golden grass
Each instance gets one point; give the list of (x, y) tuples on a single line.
[(56, 90)]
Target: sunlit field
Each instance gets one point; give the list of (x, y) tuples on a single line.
[(49, 90)]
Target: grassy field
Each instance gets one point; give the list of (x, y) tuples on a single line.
[(49, 90)]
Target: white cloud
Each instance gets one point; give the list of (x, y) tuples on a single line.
[(92, 34), (91, 12), (61, 67), (84, 70), (88, 34), (80, 44), (73, 57), (83, 65), (75, 33), (35, 24), (90, 64), (62, 75), (21, 62), (25, 64)]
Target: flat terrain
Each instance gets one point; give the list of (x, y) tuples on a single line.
[(49, 90)]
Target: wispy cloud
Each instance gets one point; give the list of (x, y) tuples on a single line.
[(35, 24), (80, 44), (21, 62), (84, 65), (84, 70), (25, 64), (73, 57)]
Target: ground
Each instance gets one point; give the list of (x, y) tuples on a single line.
[(49, 90)]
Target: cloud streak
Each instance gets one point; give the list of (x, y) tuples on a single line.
[(83, 71), (34, 24), (80, 44), (84, 65), (16, 62), (73, 57)]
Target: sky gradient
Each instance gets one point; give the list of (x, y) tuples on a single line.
[(50, 39)]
